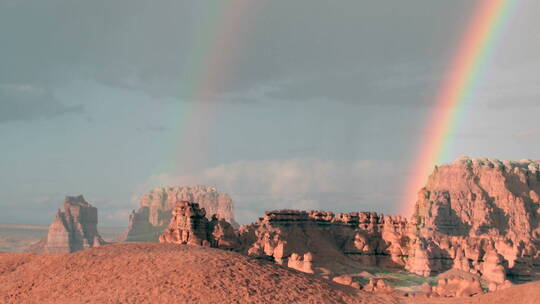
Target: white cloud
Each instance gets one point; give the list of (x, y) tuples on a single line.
[(301, 183)]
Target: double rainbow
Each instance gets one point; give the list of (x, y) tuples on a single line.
[(212, 62), (469, 61)]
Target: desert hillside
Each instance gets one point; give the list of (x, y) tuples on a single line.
[(163, 273), (168, 273)]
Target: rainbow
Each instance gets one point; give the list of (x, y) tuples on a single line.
[(209, 68), (469, 61)]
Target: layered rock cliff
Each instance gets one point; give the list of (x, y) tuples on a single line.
[(74, 228), (154, 213), (327, 243), (479, 216)]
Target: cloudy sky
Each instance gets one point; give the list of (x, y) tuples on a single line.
[(283, 104)]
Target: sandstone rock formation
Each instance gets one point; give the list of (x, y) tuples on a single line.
[(457, 287), (74, 228), (480, 216), (222, 234), (324, 242), (154, 213), (189, 225), (475, 215), (494, 286), (378, 286), (304, 263)]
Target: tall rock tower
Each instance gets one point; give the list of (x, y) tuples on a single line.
[(74, 227)]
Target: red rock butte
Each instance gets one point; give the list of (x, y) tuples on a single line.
[(74, 228), (154, 213)]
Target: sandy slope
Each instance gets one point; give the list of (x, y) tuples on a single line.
[(160, 273), (164, 273)]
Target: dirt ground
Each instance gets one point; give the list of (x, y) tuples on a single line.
[(162, 273), (165, 273)]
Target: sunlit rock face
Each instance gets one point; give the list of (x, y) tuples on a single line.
[(480, 216), (189, 225), (326, 243), (156, 206), (74, 227)]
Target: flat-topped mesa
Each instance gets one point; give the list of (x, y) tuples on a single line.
[(285, 215), (154, 213), (74, 227), (472, 211), (507, 165), (365, 220), (330, 241), (189, 225)]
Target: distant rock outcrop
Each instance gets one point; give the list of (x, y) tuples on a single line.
[(479, 216), (74, 228), (189, 225), (154, 213)]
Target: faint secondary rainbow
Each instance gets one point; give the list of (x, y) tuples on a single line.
[(209, 69), (464, 71)]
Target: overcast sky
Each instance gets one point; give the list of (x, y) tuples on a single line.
[(308, 104)]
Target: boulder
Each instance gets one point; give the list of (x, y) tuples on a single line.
[(458, 287), (343, 280)]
